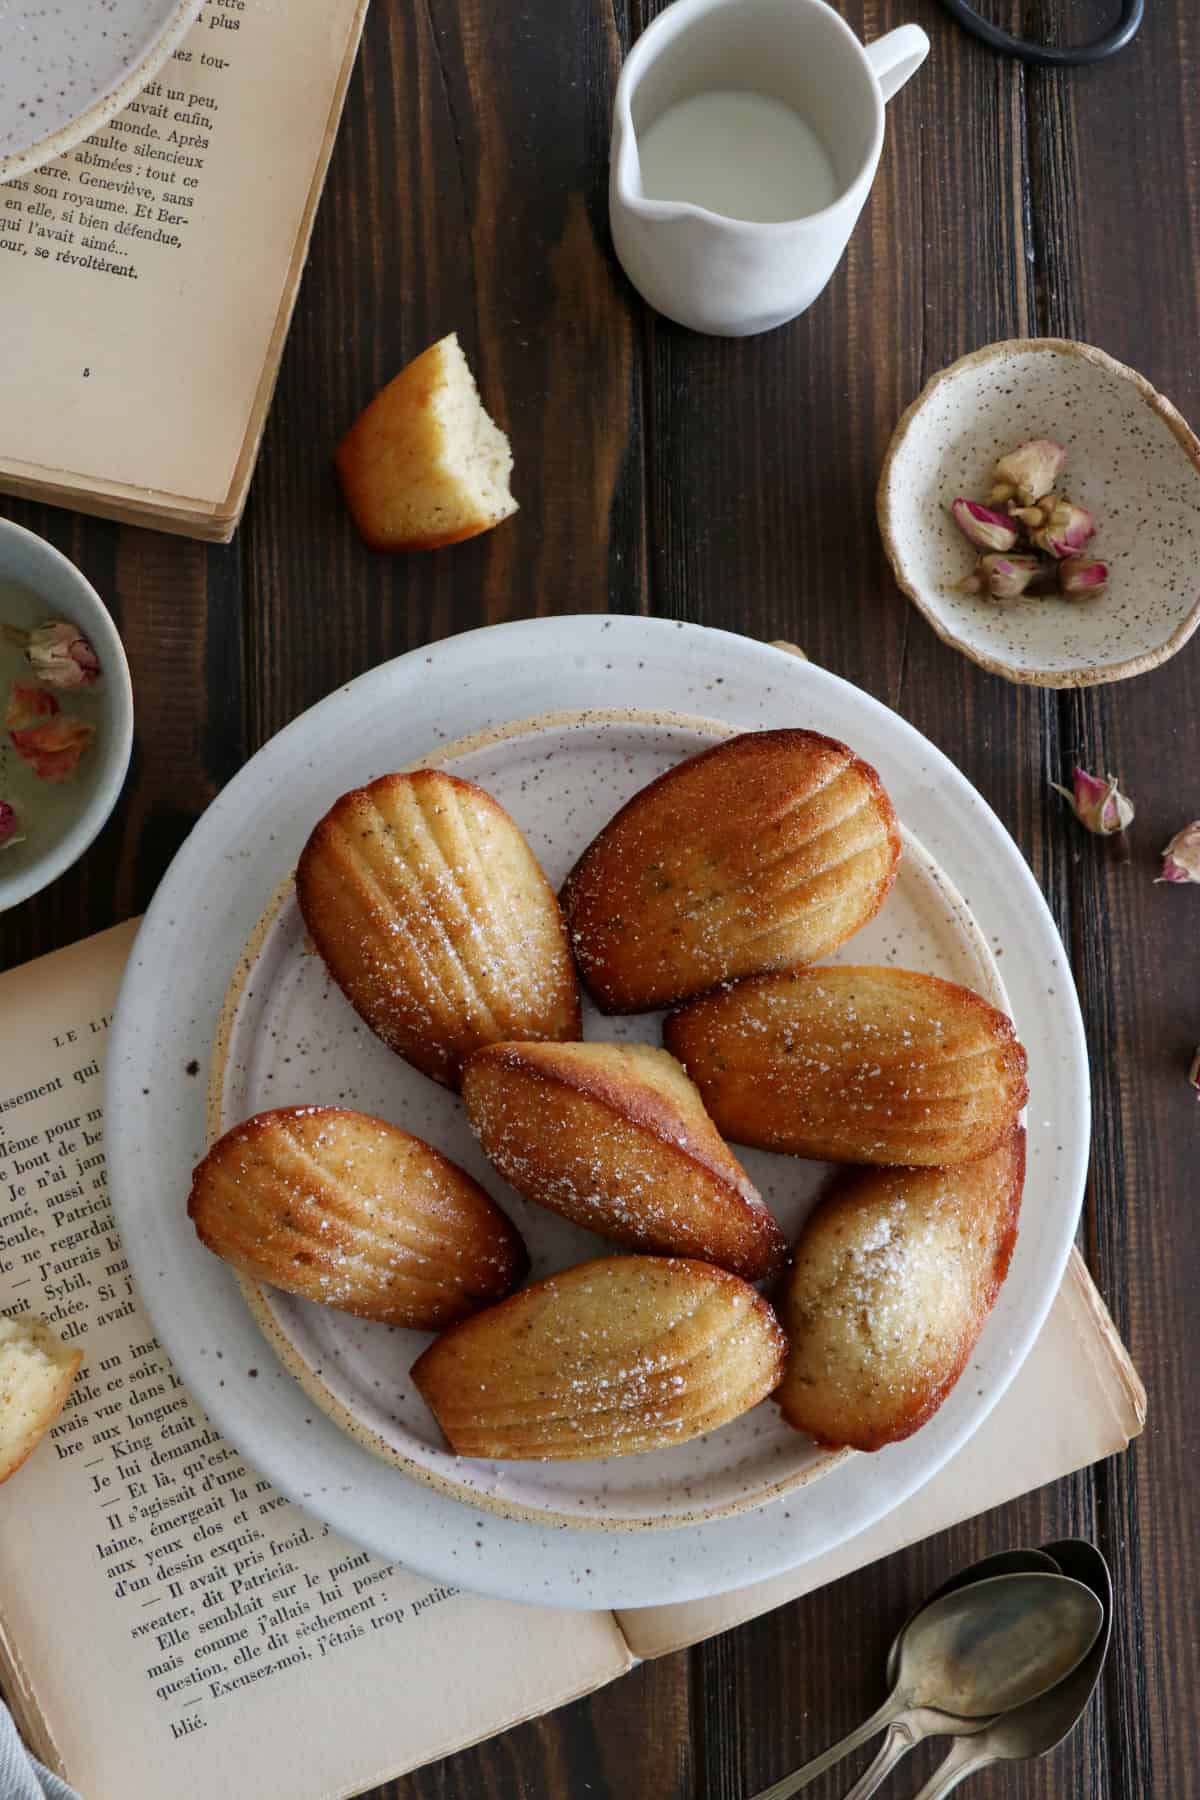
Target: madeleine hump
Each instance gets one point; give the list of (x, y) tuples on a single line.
[(610, 1358), (356, 1214), (858, 1065), (763, 852), (432, 915), (615, 1137), (892, 1282)]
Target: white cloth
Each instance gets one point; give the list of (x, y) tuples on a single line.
[(23, 1777)]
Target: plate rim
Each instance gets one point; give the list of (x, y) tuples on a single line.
[(257, 1294), (114, 100), (564, 653)]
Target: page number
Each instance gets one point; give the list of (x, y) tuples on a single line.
[(86, 373)]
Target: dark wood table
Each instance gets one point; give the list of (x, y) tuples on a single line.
[(732, 483)]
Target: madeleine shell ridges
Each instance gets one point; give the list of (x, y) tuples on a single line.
[(854, 1064), (349, 1211), (611, 1358), (615, 1137), (892, 1281), (433, 916), (765, 851)]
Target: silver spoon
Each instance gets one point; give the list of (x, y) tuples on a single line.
[(1036, 1727), (974, 1653), (905, 1733)]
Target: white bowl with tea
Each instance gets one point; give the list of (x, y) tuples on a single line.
[(66, 714)]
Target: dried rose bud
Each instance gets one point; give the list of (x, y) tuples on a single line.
[(61, 656), (1181, 858), (1001, 577), (1194, 1073), (1038, 514), (1079, 579), (1097, 802), (986, 529), (1027, 472), (1067, 530), (10, 827), (50, 741)]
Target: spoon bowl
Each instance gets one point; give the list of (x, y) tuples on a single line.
[(997, 1644)]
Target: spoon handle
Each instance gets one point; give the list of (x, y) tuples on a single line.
[(962, 1761), (902, 1735), (802, 1778)]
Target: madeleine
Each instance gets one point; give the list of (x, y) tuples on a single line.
[(433, 917), (892, 1282), (769, 850), (611, 1358), (615, 1137), (352, 1212), (859, 1065)]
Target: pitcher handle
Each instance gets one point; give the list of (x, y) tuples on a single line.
[(896, 56)]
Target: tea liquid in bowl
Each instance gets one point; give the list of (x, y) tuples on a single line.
[(741, 154), (47, 809)]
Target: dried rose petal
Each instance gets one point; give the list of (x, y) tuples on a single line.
[(1080, 579), (10, 827), (1001, 577), (1181, 858), (61, 656), (1067, 530), (1097, 802), (986, 529), (1027, 472), (50, 741)]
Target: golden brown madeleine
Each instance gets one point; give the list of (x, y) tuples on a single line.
[(435, 920), (766, 851), (624, 1354), (345, 1209), (892, 1281), (615, 1137), (860, 1065)]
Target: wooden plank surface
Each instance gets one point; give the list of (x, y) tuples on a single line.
[(732, 483)]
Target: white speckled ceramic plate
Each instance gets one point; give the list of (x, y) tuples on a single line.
[(66, 67), (289, 1037), (1132, 460), (189, 947)]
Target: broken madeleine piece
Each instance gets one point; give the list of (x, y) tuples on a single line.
[(615, 1137), (424, 465), (858, 1065), (347, 1210), (432, 915), (768, 850), (37, 1370), (892, 1282), (610, 1358)]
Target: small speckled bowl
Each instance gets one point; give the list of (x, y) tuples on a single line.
[(58, 837), (1131, 459)]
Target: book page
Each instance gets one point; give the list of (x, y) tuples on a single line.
[(168, 1622), (1076, 1399), (144, 272)]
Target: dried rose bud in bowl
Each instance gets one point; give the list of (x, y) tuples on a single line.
[(66, 714)]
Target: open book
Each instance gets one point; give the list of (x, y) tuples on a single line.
[(149, 275), (169, 1624)]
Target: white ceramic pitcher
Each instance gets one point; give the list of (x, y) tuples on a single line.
[(733, 277)]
